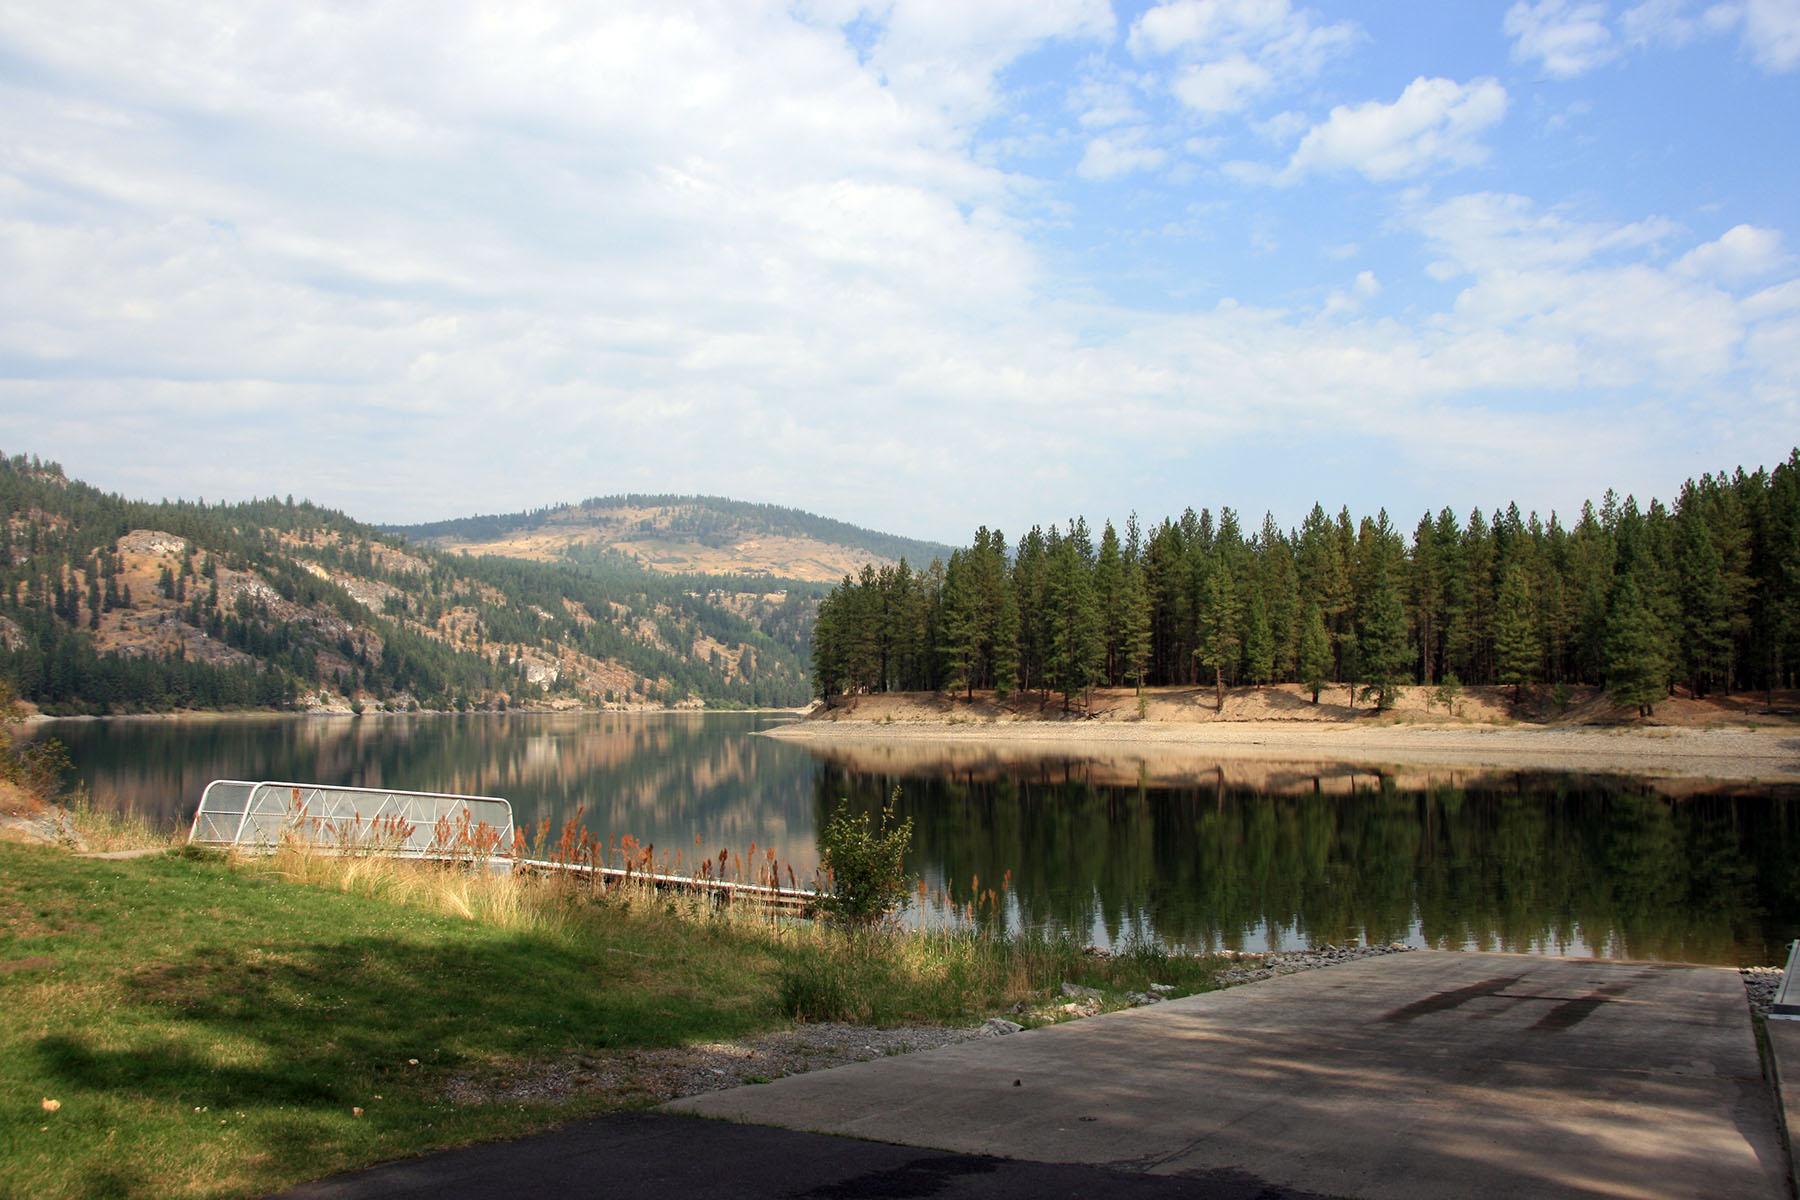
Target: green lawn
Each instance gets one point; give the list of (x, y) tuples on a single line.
[(209, 1028)]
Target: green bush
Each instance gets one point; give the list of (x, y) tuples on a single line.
[(867, 865)]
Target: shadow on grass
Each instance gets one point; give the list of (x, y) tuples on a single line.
[(327, 1021)]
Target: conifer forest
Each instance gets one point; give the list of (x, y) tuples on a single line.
[(1703, 593)]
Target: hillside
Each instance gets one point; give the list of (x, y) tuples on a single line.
[(108, 604), (696, 535)]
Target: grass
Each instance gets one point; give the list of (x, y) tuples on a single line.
[(209, 1027)]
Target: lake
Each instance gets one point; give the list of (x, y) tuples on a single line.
[(1240, 856)]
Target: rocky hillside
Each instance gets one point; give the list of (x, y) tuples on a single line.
[(108, 604), (690, 535)]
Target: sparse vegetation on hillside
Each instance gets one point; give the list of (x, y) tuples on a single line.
[(108, 604), (705, 520)]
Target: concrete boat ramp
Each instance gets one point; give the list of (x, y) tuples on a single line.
[(1415, 1075)]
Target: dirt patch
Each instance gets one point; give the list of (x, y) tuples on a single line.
[(37, 962), (661, 1075)]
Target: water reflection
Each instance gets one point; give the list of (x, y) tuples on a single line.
[(1238, 855)]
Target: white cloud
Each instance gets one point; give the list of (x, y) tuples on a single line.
[(1434, 123), (1233, 52), (1566, 39), (945, 54), (1743, 252), (1226, 86), (1772, 33), (428, 259), (1485, 232), (1768, 30), (1119, 153)]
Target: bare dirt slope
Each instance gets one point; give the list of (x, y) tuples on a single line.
[(675, 537)]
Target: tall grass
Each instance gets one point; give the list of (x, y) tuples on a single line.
[(822, 971)]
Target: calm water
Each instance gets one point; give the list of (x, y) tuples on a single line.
[(1238, 856)]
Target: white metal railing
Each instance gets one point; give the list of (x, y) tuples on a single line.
[(1786, 1006), (260, 815)]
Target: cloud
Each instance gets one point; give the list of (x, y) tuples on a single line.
[(1565, 39), (424, 260), (1233, 52), (1434, 123), (1486, 232), (1742, 253), (947, 55), (1114, 154), (1222, 87), (1768, 30)]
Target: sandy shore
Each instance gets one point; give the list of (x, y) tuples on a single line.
[(1736, 755)]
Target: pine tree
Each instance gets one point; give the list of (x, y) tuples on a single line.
[(1315, 652), (1259, 641), (1220, 615), (1382, 647), (1637, 666), (1075, 642), (1516, 649), (1705, 605), (1137, 625), (1109, 597)]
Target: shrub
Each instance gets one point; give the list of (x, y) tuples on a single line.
[(867, 865)]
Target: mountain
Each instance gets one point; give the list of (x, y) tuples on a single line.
[(693, 535), (109, 604)]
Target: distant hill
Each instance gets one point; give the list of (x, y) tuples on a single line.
[(694, 535), (109, 604)]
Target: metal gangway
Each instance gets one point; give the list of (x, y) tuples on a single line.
[(265, 814)]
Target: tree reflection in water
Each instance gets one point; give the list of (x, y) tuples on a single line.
[(1112, 846)]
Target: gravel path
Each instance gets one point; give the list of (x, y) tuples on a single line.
[(659, 1075)]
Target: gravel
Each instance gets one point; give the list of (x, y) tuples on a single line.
[(1252, 967), (1760, 986), (655, 1076)]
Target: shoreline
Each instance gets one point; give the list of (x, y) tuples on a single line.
[(254, 714), (1736, 755)]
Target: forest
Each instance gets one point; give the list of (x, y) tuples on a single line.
[(452, 632), (1702, 593)]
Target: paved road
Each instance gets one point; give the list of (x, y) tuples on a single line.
[(1416, 1075), (656, 1155)]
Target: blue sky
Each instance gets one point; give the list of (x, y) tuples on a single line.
[(919, 266)]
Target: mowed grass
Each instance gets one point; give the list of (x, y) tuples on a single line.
[(208, 1028)]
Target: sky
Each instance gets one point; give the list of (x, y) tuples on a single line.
[(920, 266)]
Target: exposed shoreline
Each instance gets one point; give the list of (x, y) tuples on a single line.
[(1736, 755)]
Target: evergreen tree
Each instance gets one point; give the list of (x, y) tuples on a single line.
[(1259, 641), (1382, 647), (1220, 617), (1315, 652), (1136, 641), (1637, 666), (1516, 646), (1705, 606), (1075, 639)]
